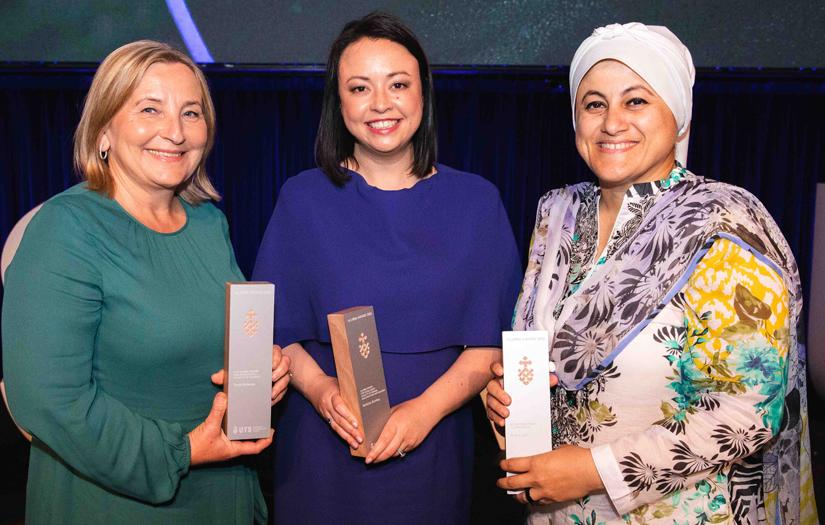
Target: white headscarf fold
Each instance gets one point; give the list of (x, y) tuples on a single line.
[(656, 55)]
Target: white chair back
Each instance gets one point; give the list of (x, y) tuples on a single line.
[(13, 241), (9, 249)]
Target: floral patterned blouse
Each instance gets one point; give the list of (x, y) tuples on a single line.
[(679, 422)]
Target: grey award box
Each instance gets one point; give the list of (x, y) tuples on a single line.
[(360, 370), (250, 314)]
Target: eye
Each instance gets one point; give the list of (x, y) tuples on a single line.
[(399, 85), (636, 101), (594, 104), (358, 89), (149, 109), (192, 114)]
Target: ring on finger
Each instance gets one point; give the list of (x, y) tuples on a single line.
[(528, 498), (401, 452)]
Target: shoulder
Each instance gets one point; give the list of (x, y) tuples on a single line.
[(723, 191), (68, 210), (564, 195), (307, 183), (468, 187), (205, 213)]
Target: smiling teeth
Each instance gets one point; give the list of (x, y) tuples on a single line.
[(165, 153), (382, 124), (621, 145)]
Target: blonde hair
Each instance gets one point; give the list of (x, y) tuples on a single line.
[(114, 82)]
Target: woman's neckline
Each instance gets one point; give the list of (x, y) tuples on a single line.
[(419, 183), (134, 219)]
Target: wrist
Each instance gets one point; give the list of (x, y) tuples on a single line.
[(194, 450), (429, 407), (312, 386)]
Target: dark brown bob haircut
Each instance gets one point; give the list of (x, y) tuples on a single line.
[(334, 144)]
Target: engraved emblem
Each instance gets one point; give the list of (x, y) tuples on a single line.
[(363, 345), (525, 373), (250, 324)]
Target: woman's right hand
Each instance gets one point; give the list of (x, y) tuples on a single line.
[(208, 443), (497, 398), (325, 396)]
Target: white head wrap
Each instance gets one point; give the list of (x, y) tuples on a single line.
[(656, 55)]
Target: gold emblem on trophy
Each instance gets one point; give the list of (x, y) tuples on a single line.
[(525, 373), (363, 345), (250, 324)]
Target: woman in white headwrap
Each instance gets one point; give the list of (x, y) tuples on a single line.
[(672, 303)]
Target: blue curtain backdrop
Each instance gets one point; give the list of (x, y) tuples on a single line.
[(762, 130)]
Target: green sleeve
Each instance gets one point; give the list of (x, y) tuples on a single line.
[(54, 300), (233, 263)]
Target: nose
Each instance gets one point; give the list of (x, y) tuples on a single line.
[(614, 120), (381, 101), (172, 130)]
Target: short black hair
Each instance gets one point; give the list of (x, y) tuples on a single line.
[(334, 144)]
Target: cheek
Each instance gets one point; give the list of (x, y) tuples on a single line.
[(198, 134), (351, 110), (136, 133), (582, 142)]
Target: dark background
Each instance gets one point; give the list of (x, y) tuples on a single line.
[(748, 33), (758, 125)]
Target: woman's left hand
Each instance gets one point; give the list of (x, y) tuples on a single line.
[(409, 423), (280, 374), (563, 474)]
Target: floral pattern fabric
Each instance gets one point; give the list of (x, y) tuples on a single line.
[(688, 378)]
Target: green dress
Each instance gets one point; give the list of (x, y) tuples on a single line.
[(110, 333)]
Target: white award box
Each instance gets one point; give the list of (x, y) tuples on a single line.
[(526, 361)]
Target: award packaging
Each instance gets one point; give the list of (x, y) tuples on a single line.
[(250, 314), (527, 381), (360, 371)]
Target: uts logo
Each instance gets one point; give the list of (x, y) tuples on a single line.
[(525, 373), (250, 325), (363, 345)]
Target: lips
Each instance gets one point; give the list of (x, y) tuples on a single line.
[(383, 126), (166, 155), (616, 147)]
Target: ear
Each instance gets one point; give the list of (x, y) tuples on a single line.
[(103, 144)]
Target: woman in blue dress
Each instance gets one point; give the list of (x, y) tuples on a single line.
[(381, 223)]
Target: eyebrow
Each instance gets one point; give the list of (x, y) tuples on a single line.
[(625, 92), (633, 88), (389, 75), (150, 99), (159, 101)]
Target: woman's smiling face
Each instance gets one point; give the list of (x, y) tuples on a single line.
[(157, 139), (381, 98), (624, 131)]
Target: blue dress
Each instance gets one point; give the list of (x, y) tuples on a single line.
[(440, 266)]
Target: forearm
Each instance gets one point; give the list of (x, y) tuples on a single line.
[(303, 368), (463, 380)]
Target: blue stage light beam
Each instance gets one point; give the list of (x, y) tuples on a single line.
[(189, 31)]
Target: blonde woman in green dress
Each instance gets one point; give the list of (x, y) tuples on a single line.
[(113, 315)]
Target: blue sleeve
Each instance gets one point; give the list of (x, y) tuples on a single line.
[(282, 260)]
